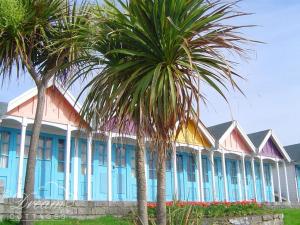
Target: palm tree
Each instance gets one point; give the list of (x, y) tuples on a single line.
[(156, 52), (38, 37)]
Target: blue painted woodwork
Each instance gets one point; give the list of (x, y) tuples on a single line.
[(152, 176), (219, 181), (99, 171), (207, 179), (169, 178), (249, 180), (297, 168), (232, 179), (268, 182), (82, 169), (258, 182)]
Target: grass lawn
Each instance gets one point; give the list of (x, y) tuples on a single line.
[(291, 216), (107, 220)]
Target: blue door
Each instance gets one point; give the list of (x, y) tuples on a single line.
[(152, 176), (219, 184), (59, 153), (232, 176), (5, 156), (119, 172), (297, 168), (131, 173), (82, 178), (268, 182), (206, 173), (192, 187), (169, 178), (249, 181), (43, 170), (180, 176), (99, 171), (258, 182)]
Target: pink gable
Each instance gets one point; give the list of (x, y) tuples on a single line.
[(270, 150), (235, 142), (57, 109)]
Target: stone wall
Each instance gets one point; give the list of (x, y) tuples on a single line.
[(53, 209), (276, 219)]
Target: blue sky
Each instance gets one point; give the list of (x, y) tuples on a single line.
[(272, 74)]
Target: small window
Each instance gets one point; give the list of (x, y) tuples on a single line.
[(4, 146), (61, 155), (152, 167), (120, 157), (83, 158), (191, 168), (169, 162), (27, 143), (233, 173), (102, 156), (132, 163), (205, 170), (44, 148), (179, 163)]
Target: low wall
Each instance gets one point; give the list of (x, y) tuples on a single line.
[(54, 209), (276, 219)]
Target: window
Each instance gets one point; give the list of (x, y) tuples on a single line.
[(205, 170), (61, 155), (169, 162), (179, 163), (191, 168), (132, 162), (44, 148), (233, 173), (152, 166), (102, 156), (4, 145), (83, 158), (267, 175), (120, 157), (27, 143)]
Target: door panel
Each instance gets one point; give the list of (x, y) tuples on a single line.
[(219, 184), (206, 173), (180, 176), (232, 179), (258, 182), (152, 177), (267, 173), (249, 180)]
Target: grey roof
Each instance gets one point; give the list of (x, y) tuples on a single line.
[(218, 130), (293, 151), (258, 137), (3, 108)]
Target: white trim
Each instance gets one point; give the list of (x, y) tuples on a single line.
[(272, 182), (279, 182), (286, 183), (271, 135), (212, 163), (236, 125), (253, 177), (200, 174), (262, 175), (21, 158), (224, 173), (12, 104), (244, 177), (239, 176), (206, 133), (67, 163)]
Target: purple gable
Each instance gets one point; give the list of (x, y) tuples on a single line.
[(271, 150)]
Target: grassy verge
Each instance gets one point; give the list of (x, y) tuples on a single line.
[(291, 216), (107, 220)]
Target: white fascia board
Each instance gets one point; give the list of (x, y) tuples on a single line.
[(246, 138), (227, 132), (266, 138), (280, 146), (206, 133)]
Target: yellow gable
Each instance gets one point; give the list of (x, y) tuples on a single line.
[(192, 135)]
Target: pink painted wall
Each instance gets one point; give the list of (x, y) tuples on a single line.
[(235, 142), (271, 150), (57, 109)]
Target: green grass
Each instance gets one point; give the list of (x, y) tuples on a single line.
[(291, 216), (107, 220)]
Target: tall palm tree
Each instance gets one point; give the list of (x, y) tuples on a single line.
[(38, 37), (156, 52)]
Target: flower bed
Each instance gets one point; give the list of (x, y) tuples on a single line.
[(196, 211)]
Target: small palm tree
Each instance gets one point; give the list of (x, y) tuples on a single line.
[(154, 54), (38, 37)]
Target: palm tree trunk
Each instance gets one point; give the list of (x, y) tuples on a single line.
[(161, 211), (141, 182), (28, 196)]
